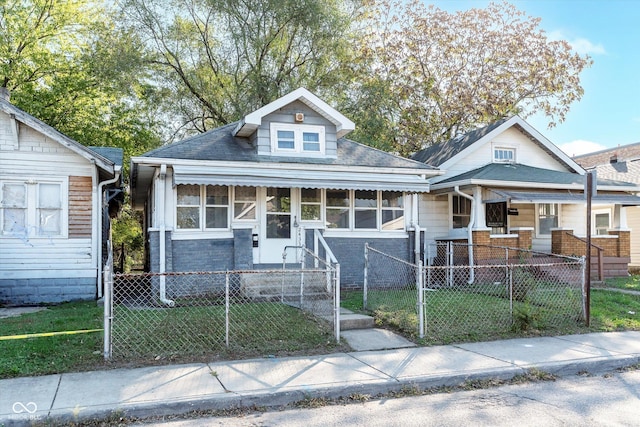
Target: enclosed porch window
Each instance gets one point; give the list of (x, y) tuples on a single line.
[(202, 207), (365, 210), (547, 218)]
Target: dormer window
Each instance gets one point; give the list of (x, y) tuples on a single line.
[(504, 155), (294, 139)]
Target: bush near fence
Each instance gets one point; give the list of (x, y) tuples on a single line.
[(505, 292)]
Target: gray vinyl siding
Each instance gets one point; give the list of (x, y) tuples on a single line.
[(286, 115)]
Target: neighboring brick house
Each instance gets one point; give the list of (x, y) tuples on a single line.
[(236, 196), (50, 197), (505, 184), (621, 163)]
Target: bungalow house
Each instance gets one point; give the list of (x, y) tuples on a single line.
[(51, 196), (242, 195), (621, 163), (507, 185)]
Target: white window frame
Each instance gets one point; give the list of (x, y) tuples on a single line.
[(298, 131), (498, 149), (235, 200), (379, 209), (452, 214), (596, 212), (32, 208), (320, 204), (202, 211), (537, 208)]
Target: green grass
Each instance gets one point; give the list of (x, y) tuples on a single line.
[(631, 283), (456, 316), (257, 333), (49, 355), (614, 311), (256, 329), (158, 335)]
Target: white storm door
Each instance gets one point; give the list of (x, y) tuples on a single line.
[(277, 225)]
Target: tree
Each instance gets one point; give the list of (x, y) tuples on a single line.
[(221, 59), (67, 63), (450, 72)]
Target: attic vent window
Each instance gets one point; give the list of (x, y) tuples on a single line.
[(504, 155), (297, 140)]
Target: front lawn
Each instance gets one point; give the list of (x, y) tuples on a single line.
[(155, 336), (292, 334), (455, 316), (52, 354), (631, 283)]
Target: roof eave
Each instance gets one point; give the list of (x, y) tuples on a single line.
[(253, 120), (23, 117)]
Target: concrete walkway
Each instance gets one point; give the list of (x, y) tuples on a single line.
[(155, 391)]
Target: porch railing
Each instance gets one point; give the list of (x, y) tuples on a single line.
[(588, 253)]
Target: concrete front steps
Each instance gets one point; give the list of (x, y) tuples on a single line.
[(361, 335), (350, 320)]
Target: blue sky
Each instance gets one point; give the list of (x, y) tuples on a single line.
[(608, 114)]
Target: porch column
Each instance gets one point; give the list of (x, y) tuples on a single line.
[(619, 217), (480, 222)]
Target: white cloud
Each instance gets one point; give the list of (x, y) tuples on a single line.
[(584, 46), (577, 147), (581, 45)]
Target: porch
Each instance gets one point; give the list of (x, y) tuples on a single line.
[(610, 254)]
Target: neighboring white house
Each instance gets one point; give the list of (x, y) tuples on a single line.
[(50, 199), (621, 163), (506, 179)]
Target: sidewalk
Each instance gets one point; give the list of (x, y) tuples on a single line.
[(154, 391)]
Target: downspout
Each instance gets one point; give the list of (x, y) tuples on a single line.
[(472, 221), (416, 227), (163, 233), (100, 200)]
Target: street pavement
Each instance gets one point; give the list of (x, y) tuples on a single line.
[(274, 382)]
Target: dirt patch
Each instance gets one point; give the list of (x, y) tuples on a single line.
[(17, 311)]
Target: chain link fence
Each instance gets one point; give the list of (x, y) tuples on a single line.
[(235, 313), (472, 292), (392, 290)]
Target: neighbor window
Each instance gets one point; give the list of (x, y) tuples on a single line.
[(365, 210), (547, 218), (49, 209), (295, 139), (504, 155), (195, 202), (33, 208), (602, 223), (496, 217), (460, 211)]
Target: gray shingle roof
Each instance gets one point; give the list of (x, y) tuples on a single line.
[(438, 154), (220, 144), (114, 154), (602, 157), (627, 171), (522, 173)]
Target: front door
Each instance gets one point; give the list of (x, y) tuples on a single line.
[(278, 225)]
